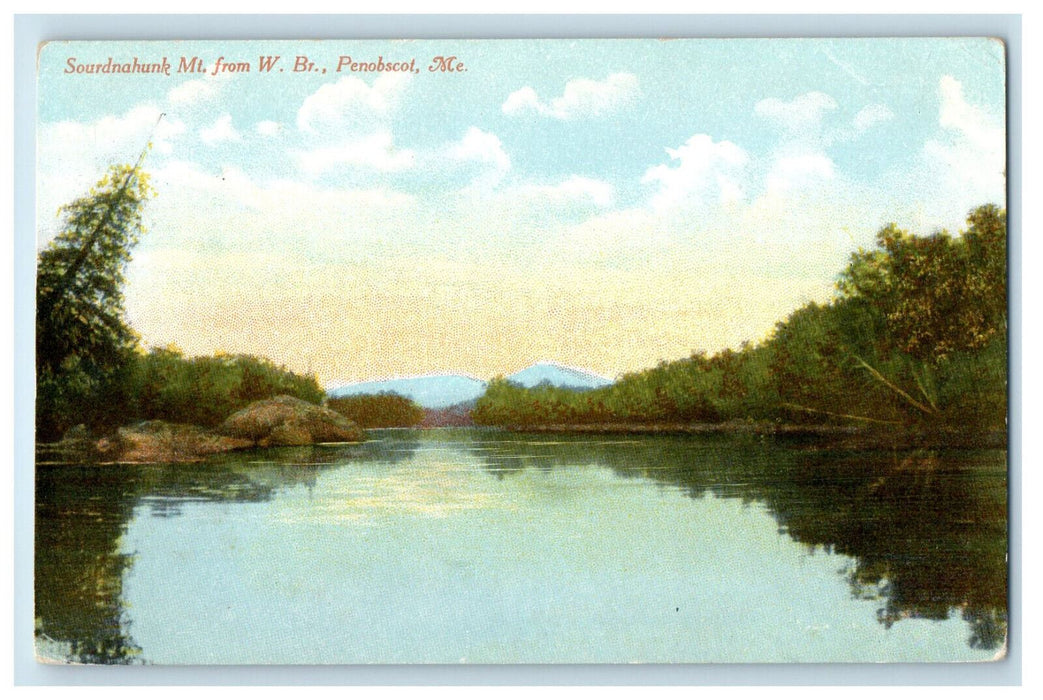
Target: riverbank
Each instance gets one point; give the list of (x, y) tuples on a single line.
[(824, 435), (280, 421)]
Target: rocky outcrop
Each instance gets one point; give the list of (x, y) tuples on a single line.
[(280, 421), (285, 420), (159, 441)]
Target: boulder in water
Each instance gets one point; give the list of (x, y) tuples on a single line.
[(285, 420), (158, 441)]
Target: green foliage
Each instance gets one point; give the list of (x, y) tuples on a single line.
[(206, 390), (937, 306), (972, 387), (89, 368), (916, 336), (384, 410), (83, 343), (700, 389), (938, 294)]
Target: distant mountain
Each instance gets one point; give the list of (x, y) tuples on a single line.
[(558, 375), (430, 391), (439, 391)]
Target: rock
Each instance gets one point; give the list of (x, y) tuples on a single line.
[(159, 441), (289, 434), (77, 440), (285, 420), (77, 433), (76, 445)]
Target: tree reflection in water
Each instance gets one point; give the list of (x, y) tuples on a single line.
[(927, 530), (80, 514), (83, 510)]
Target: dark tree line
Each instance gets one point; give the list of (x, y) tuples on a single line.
[(385, 410), (915, 336)]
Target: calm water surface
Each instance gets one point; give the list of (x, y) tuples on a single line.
[(476, 546)]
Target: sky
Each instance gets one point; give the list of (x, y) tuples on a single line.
[(604, 204)]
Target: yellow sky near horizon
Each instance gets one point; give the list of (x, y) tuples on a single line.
[(584, 207), (406, 320)]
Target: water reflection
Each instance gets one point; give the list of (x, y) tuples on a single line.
[(83, 510), (925, 531), (80, 514)]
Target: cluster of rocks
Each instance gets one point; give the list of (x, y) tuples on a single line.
[(279, 421)]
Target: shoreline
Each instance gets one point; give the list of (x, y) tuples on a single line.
[(816, 435), (811, 436)]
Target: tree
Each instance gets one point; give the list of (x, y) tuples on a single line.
[(939, 294), (385, 410), (937, 307), (84, 346), (206, 390)]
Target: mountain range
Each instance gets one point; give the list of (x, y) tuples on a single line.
[(430, 391), (558, 375), (444, 390)]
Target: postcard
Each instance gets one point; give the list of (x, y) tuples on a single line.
[(521, 351)]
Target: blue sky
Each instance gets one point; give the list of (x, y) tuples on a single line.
[(604, 204)]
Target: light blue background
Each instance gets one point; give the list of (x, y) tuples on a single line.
[(30, 30)]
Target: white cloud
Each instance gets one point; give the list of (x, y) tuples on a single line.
[(872, 115), (801, 115), (582, 188), (191, 92), (703, 172), (375, 151), (72, 156), (867, 118), (221, 131), (963, 165), (802, 120), (572, 190), (478, 156), (793, 172), (520, 101), (245, 190), (268, 128), (971, 123), (198, 209), (120, 137), (799, 160), (482, 147), (346, 124), (582, 98), (350, 104), (197, 91)]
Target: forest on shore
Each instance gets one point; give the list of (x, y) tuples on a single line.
[(914, 338), (91, 368)]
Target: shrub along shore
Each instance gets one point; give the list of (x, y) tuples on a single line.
[(912, 349), (852, 437), (914, 343)]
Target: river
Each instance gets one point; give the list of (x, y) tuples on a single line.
[(481, 546)]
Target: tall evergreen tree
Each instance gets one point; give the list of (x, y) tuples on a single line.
[(83, 343)]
